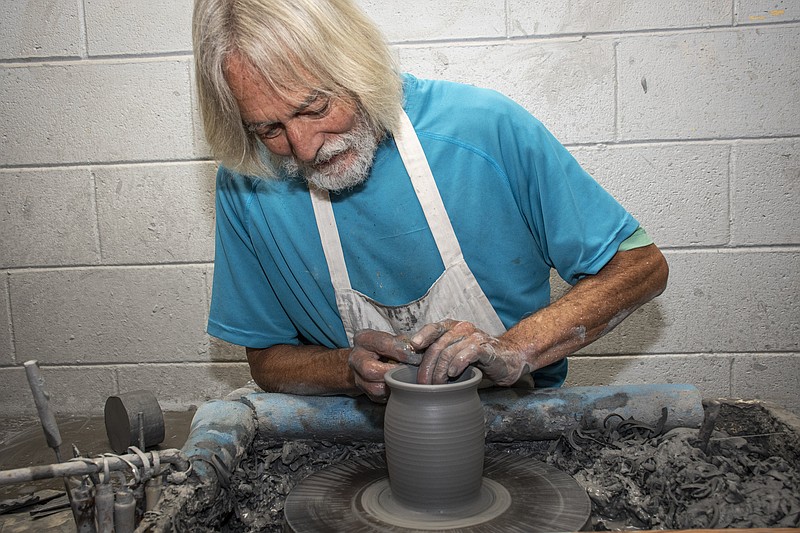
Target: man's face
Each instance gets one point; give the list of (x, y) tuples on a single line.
[(323, 139)]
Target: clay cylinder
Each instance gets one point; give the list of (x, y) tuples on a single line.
[(435, 438), (123, 425)]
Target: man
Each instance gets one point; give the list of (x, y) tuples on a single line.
[(367, 218)]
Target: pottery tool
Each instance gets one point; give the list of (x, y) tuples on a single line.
[(50, 427), (42, 401)]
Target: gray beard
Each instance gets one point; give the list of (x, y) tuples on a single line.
[(339, 175)]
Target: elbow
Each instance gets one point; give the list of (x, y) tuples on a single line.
[(660, 273)]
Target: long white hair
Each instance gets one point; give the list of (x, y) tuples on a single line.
[(293, 44)]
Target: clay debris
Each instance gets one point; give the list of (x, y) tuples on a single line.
[(635, 476)]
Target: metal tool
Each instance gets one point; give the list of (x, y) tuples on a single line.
[(42, 400), (50, 427)]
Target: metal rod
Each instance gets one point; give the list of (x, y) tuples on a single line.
[(49, 425), (86, 466), (42, 401)]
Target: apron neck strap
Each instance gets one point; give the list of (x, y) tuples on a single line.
[(419, 171), (427, 193)]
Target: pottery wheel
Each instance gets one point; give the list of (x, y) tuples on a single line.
[(518, 494)]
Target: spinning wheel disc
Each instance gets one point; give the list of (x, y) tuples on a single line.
[(518, 494)]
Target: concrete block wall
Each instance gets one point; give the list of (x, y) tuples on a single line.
[(687, 113)]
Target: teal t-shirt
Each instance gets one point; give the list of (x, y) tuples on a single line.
[(519, 204)]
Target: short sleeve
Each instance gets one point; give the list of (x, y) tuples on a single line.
[(244, 308), (577, 224)]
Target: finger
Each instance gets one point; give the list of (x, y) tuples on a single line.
[(454, 359), (466, 356), (429, 333), (430, 368), (367, 366), (387, 345), (375, 390)]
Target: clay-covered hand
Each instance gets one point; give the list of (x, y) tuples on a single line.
[(450, 346), (374, 353)]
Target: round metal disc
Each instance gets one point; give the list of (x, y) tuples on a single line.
[(343, 497)]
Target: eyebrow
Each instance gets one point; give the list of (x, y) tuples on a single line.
[(310, 99)]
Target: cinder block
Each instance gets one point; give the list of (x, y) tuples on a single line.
[(765, 193), (221, 351), (711, 374), (96, 112), (217, 349), (766, 11), (156, 213), (39, 29), (179, 387), (142, 27), (73, 390), (110, 315), (736, 83), (718, 302), (588, 16), (677, 192), (47, 217), (773, 377), (6, 344), (430, 20), (568, 85)]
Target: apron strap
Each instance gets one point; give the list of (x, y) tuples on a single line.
[(428, 194), (329, 234)]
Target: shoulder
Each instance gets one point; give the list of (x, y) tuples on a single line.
[(473, 115), (432, 102)]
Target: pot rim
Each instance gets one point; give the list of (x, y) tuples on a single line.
[(397, 384)]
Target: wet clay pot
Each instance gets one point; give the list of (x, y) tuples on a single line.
[(435, 437)]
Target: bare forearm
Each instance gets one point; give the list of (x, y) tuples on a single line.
[(592, 308), (302, 369)]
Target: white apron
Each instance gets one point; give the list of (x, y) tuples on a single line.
[(456, 294)]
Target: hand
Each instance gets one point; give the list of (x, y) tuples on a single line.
[(374, 353), (450, 346)]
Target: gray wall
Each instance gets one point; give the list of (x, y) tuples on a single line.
[(686, 111)]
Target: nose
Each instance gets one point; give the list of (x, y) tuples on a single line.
[(304, 140)]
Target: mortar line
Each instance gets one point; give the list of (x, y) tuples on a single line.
[(122, 266), (597, 143), (721, 249), (96, 209), (10, 325), (739, 248), (507, 11), (731, 170), (116, 59), (84, 31), (117, 366), (194, 117), (661, 354), (615, 60), (121, 162), (730, 376), (460, 41), (733, 13), (117, 390), (207, 292)]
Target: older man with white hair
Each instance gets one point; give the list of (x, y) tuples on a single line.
[(367, 218)]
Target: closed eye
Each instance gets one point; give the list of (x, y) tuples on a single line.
[(318, 109), (265, 131)]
